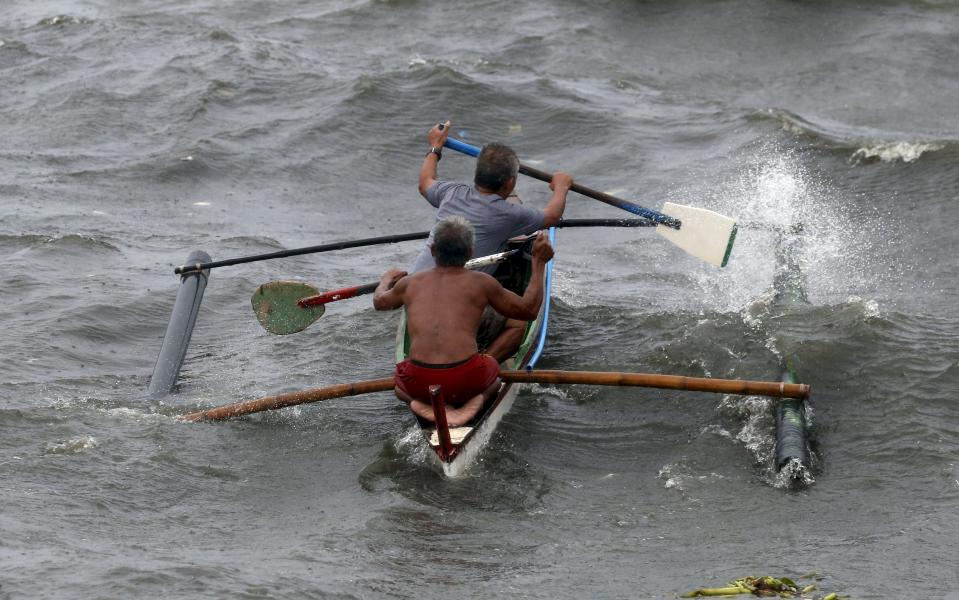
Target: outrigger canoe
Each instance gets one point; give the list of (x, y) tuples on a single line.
[(453, 453), (278, 308)]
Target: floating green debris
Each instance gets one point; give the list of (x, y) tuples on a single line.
[(762, 586)]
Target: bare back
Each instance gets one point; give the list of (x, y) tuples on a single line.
[(444, 305), (443, 310)]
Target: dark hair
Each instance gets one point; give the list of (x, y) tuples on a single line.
[(496, 164), (452, 242)]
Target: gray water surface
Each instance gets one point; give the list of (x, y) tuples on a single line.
[(132, 133)]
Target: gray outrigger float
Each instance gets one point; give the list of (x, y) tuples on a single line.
[(455, 449)]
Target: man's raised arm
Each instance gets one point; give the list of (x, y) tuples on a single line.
[(560, 184), (436, 137), (524, 307)]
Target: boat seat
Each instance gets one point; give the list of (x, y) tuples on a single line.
[(457, 435)]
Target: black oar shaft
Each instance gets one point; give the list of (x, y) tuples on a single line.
[(604, 197), (567, 223), (387, 239)]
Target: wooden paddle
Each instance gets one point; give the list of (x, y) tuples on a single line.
[(702, 233), (284, 307), (776, 389)]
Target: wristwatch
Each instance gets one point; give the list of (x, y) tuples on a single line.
[(437, 151)]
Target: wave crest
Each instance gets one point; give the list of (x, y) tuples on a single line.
[(894, 151), (866, 146)]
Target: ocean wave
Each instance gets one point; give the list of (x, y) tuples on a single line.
[(864, 147), (829, 136), (74, 445), (245, 242), (64, 21), (904, 151), (11, 47), (68, 241), (439, 79), (202, 159)]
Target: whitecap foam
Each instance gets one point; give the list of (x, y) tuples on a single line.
[(893, 151), (673, 478), (870, 308), (678, 477), (134, 414), (716, 430), (556, 392), (411, 444), (793, 473), (74, 445), (757, 426), (64, 20)]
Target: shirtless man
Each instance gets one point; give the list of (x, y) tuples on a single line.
[(443, 310), (488, 204)]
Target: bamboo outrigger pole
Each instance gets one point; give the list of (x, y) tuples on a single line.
[(672, 382), (229, 411), (740, 387)]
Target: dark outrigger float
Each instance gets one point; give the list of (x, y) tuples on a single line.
[(286, 307)]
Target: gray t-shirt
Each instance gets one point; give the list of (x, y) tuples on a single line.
[(494, 219)]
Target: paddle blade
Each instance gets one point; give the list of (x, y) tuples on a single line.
[(704, 233), (275, 306)]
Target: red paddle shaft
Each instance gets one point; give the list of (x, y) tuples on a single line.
[(369, 288), (334, 295)]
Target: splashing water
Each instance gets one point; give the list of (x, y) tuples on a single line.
[(74, 445), (793, 474), (770, 194), (774, 194), (789, 252)]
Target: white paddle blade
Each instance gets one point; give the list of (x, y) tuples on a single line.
[(704, 233)]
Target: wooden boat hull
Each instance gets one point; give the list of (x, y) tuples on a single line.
[(468, 442)]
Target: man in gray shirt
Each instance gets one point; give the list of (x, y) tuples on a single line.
[(488, 207)]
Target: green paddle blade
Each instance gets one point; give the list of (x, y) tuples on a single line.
[(275, 306)]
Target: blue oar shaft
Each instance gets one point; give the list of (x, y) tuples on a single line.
[(461, 146)]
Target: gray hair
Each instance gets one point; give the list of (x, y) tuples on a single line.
[(453, 240), (495, 165)]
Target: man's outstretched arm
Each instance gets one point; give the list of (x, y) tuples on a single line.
[(436, 137), (560, 184), (524, 307), (389, 293)]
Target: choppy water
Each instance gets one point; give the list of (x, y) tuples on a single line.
[(132, 133)]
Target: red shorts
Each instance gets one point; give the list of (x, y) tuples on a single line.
[(460, 381)]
